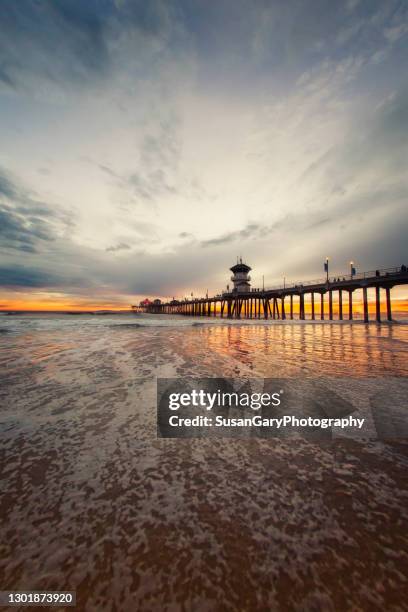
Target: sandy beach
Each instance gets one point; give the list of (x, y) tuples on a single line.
[(94, 502)]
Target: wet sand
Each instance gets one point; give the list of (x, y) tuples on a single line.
[(93, 502)]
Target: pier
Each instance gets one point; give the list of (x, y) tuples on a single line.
[(278, 302)]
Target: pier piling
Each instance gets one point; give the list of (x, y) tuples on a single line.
[(377, 304), (302, 306), (331, 305), (388, 298), (249, 303), (365, 301)]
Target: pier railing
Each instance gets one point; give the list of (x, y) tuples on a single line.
[(383, 272)]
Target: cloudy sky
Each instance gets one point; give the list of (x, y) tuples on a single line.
[(147, 144)]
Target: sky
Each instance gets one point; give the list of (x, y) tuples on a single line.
[(145, 145)]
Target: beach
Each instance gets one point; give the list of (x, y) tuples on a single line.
[(94, 502)]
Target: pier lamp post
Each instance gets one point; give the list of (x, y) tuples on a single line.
[(326, 269)]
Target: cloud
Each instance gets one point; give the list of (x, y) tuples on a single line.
[(251, 230), (154, 172), (61, 44), (8, 188), (159, 155), (396, 32), (52, 41), (21, 233), (122, 246), (25, 276), (26, 223)]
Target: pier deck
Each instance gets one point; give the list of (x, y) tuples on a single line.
[(271, 302)]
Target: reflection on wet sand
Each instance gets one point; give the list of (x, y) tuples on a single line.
[(94, 502)]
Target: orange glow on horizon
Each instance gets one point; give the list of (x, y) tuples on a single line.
[(63, 303)]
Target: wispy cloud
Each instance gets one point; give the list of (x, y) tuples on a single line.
[(25, 222), (122, 246), (65, 44)]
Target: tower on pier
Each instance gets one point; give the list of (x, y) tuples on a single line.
[(240, 277)]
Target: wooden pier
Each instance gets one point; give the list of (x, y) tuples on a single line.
[(278, 302)]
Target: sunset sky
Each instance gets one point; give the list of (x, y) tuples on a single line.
[(146, 144)]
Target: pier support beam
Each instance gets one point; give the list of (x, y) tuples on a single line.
[(340, 305), (377, 304), (365, 300), (388, 297), (350, 305), (322, 306), (301, 306), (330, 305), (291, 306), (313, 306), (283, 308)]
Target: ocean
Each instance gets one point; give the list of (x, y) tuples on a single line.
[(93, 501)]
